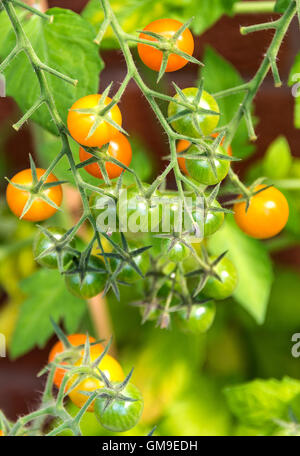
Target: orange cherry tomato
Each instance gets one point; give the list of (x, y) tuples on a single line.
[(119, 148), (152, 57), (229, 149), (1, 433), (267, 214), (80, 124), (111, 369), (182, 145), (39, 210), (75, 340)]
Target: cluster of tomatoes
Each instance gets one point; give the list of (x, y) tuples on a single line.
[(95, 121), (126, 402)]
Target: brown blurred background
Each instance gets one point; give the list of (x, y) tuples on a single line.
[(274, 108)]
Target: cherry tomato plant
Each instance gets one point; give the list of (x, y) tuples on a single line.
[(183, 273)]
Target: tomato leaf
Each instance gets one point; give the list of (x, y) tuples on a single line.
[(281, 5), (47, 297), (260, 402), (136, 14), (278, 159), (255, 275), (220, 75), (65, 45)]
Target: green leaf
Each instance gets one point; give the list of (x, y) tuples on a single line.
[(260, 402), (136, 14), (47, 297), (253, 264), (65, 45), (281, 5), (294, 82), (220, 75), (278, 159)]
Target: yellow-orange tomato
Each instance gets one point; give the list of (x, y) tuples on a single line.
[(58, 348), (80, 124), (183, 145), (266, 216), (39, 210), (229, 149), (152, 57), (111, 369), (1, 433), (119, 148)]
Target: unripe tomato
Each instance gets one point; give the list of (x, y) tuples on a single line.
[(207, 122), (201, 170), (119, 148), (213, 221), (167, 28), (217, 289), (266, 216), (200, 319), (39, 210), (58, 348), (177, 253), (111, 369), (43, 242), (93, 282), (80, 124), (129, 275), (120, 415), (143, 215)]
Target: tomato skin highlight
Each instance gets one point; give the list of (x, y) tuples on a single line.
[(201, 317), (216, 289), (92, 284), (120, 415), (207, 122), (42, 243), (119, 148), (39, 210), (267, 214), (201, 170), (152, 57), (79, 124), (58, 348), (111, 369)]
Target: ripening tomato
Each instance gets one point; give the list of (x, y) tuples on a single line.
[(58, 348), (1, 433), (167, 28), (80, 124), (120, 415), (222, 289), (201, 170), (39, 210), (119, 148), (266, 216), (206, 122), (111, 369)]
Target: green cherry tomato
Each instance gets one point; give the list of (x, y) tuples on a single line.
[(129, 275), (213, 220), (201, 169), (42, 243), (120, 415), (206, 122), (177, 253), (201, 317), (142, 215), (93, 282), (227, 272)]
